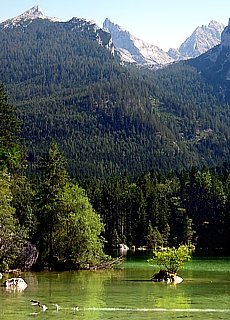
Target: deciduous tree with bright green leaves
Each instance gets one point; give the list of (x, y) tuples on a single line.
[(77, 235), (172, 259)]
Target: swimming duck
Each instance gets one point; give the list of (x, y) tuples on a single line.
[(37, 303)]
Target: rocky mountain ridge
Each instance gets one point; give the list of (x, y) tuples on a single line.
[(201, 40), (31, 14), (214, 65), (103, 38), (130, 48), (106, 117), (134, 50)]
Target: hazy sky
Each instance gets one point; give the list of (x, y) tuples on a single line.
[(164, 23)]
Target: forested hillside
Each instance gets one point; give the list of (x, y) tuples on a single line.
[(136, 141), (106, 117), (165, 210)]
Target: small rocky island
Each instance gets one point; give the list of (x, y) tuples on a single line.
[(170, 261), (165, 276)]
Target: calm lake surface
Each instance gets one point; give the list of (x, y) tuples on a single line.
[(124, 293)]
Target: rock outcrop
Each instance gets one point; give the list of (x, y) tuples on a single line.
[(134, 50), (201, 40), (225, 37)]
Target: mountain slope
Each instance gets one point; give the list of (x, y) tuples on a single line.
[(214, 65), (202, 39), (107, 118), (68, 86), (134, 50)]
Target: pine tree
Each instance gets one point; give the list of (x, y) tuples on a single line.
[(53, 179), (9, 133)]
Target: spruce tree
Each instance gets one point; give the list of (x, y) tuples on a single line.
[(9, 133), (53, 179)]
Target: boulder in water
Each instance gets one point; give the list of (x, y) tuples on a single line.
[(15, 283)]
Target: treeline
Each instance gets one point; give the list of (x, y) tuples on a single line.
[(165, 210), (108, 118)]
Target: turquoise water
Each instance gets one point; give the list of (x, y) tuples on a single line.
[(124, 293)]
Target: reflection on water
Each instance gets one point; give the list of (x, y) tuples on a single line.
[(124, 293)]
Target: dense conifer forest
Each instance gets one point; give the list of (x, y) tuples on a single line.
[(94, 152), (106, 117)]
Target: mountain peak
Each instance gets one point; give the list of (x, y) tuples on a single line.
[(34, 11), (201, 40), (31, 14), (214, 64)]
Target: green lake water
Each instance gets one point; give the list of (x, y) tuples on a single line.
[(124, 293)]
